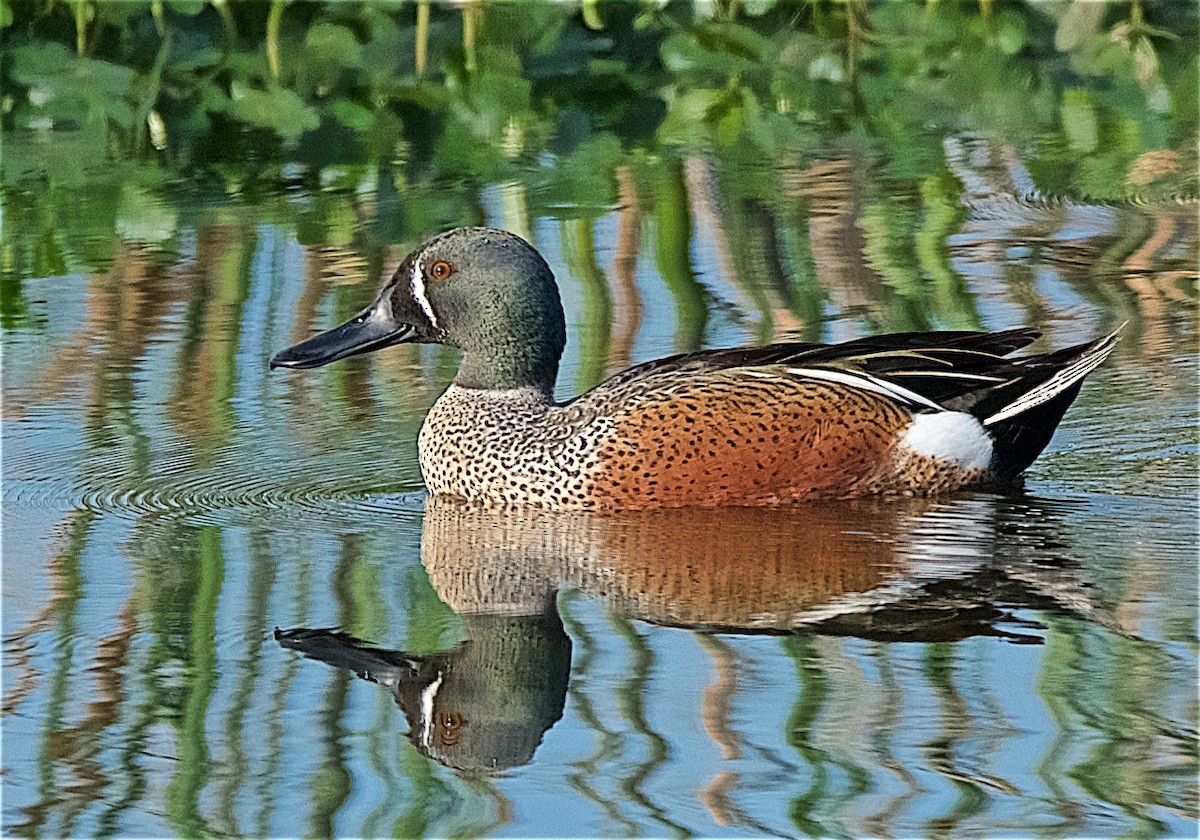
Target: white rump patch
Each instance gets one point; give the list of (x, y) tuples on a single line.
[(418, 293), (949, 436)]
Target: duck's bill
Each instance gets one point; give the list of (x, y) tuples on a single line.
[(372, 329)]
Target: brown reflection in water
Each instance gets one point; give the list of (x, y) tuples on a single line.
[(716, 707), (347, 269), (78, 747), (1137, 257), (322, 272), (745, 237), (302, 391), (622, 276), (835, 567), (838, 242), (61, 571), (1159, 291), (205, 371), (706, 221), (124, 307), (342, 266)]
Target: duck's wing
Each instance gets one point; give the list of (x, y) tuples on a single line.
[(929, 370)]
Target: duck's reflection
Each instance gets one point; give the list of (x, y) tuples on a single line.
[(482, 706), (925, 571)]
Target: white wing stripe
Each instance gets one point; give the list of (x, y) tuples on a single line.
[(947, 374), (867, 383), (1057, 383)]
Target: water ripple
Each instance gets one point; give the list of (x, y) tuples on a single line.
[(237, 494)]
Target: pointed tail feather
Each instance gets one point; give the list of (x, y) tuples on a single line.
[(1090, 357), (1023, 426)]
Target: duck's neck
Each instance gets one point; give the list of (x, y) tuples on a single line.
[(513, 339), (509, 366)]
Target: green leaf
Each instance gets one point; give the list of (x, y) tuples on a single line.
[(194, 61), (352, 115), (328, 42), (190, 8), (277, 109), (68, 88), (1010, 32), (32, 63), (687, 112), (1079, 120)]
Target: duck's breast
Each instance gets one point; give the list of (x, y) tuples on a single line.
[(506, 448)]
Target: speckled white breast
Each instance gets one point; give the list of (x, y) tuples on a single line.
[(507, 448)]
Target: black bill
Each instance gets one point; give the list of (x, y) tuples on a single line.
[(372, 329)]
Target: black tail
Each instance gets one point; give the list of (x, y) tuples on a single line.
[(1022, 417), (1020, 439)]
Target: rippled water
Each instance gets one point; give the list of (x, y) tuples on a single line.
[(1013, 662), (229, 608)]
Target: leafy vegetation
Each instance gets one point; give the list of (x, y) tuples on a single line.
[(112, 109)]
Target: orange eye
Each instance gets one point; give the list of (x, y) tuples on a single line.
[(441, 270)]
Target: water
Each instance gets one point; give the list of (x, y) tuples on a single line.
[(229, 608)]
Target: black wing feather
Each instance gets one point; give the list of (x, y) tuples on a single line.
[(990, 345), (941, 366)]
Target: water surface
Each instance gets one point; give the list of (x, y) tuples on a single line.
[(228, 606)]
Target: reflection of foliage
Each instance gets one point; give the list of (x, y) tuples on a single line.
[(391, 120), (111, 108), (480, 93)]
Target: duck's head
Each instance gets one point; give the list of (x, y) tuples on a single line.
[(483, 290)]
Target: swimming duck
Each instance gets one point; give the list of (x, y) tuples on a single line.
[(906, 414)]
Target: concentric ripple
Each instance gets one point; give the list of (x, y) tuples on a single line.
[(176, 489)]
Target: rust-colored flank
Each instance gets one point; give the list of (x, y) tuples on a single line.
[(747, 440)]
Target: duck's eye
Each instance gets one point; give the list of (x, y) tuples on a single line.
[(441, 270)]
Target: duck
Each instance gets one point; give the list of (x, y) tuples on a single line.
[(904, 414)]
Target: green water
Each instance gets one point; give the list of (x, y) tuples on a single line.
[(188, 187)]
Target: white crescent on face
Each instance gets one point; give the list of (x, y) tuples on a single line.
[(418, 293), (427, 697)]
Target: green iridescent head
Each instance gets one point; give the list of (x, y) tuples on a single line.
[(483, 290)]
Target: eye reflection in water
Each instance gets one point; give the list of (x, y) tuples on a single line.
[(921, 571)]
